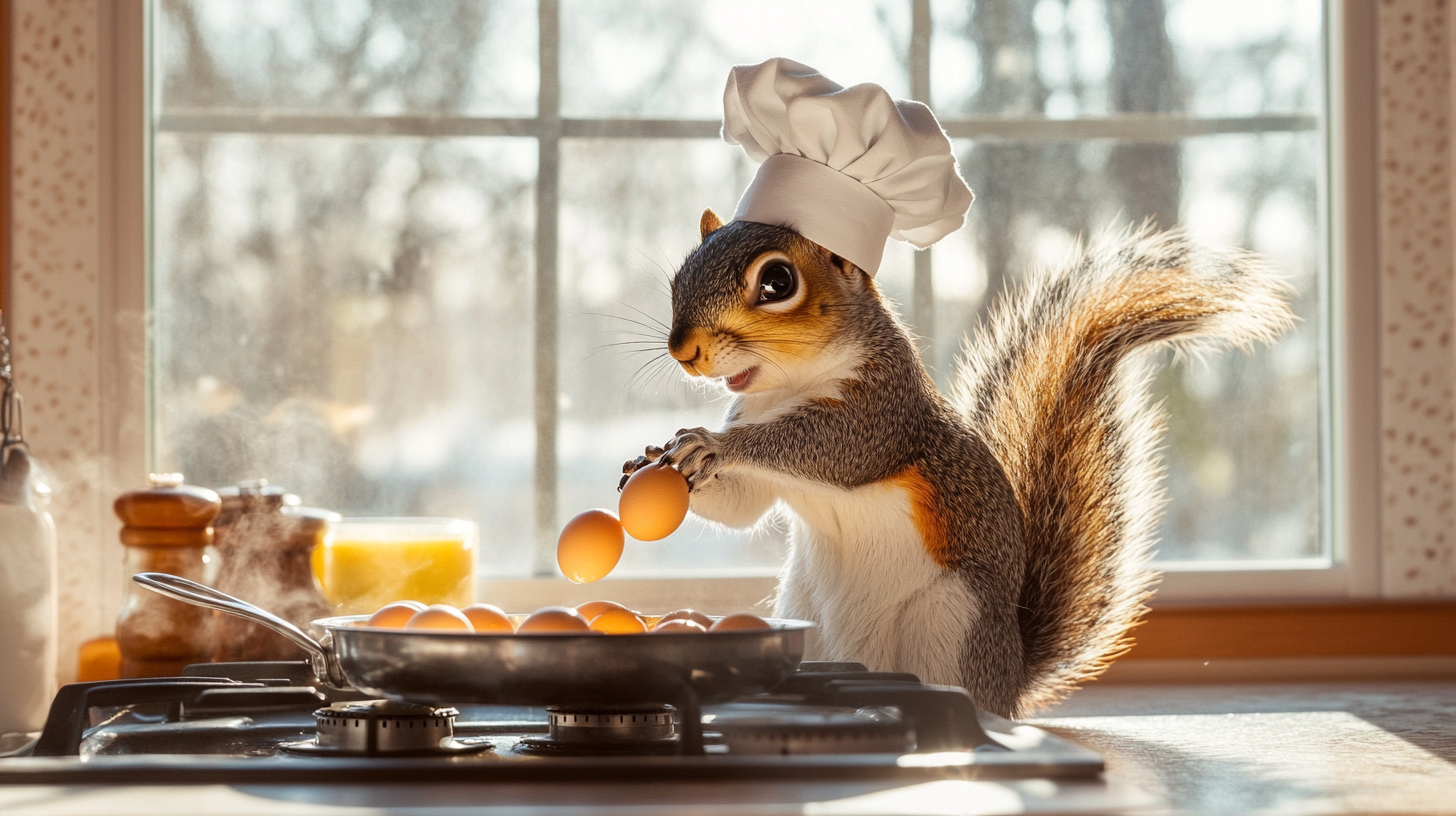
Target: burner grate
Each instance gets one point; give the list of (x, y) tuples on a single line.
[(385, 728), (611, 726), (757, 729), (647, 730)]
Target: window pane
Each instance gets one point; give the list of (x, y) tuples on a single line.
[(1242, 450), (669, 59), (351, 319), (1069, 58), (629, 213), (378, 57)]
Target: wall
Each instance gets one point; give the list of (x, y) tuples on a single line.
[(56, 289), (1418, 540)]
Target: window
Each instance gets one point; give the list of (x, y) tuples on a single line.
[(405, 253)]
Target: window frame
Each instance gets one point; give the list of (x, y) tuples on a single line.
[(1350, 506)]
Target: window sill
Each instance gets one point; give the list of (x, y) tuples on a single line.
[(1251, 581), (1307, 630)]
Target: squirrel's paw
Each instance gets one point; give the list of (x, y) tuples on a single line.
[(694, 452), (631, 466)]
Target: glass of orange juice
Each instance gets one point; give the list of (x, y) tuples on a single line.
[(365, 563)]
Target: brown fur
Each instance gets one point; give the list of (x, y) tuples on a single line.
[(708, 224), (1048, 388), (929, 516)]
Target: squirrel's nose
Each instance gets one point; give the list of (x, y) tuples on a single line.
[(681, 347), (686, 360)]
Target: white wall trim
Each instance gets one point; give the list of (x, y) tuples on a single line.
[(122, 276), (1352, 304)]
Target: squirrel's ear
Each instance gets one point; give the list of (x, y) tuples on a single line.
[(845, 266), (708, 224)]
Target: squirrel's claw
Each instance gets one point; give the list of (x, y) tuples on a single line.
[(694, 452), (631, 466)]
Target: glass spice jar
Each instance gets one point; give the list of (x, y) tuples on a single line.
[(265, 545)]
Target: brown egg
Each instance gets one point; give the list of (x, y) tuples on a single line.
[(618, 622), (488, 619), (739, 622), (440, 618), (591, 609), (562, 620), (688, 614), (677, 625), (654, 502), (590, 546), (395, 615)]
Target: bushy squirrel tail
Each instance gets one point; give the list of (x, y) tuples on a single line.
[(1045, 383)]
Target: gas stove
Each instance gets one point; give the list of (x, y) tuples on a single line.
[(270, 724)]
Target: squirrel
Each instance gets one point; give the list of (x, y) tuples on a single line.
[(997, 538)]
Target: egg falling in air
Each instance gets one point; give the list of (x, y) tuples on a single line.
[(440, 618), (488, 619), (395, 615), (654, 502), (590, 545), (618, 622), (561, 620), (739, 622)]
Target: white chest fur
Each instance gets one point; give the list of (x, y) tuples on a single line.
[(858, 567)]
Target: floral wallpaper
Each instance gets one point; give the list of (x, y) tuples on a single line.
[(55, 294), (1418, 540)]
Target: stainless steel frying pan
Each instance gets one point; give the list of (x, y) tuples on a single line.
[(525, 669)]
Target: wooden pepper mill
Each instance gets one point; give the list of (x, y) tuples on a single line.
[(265, 543), (167, 526)]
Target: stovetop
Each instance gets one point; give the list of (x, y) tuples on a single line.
[(269, 723)]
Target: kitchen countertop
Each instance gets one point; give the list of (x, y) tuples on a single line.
[(1366, 747)]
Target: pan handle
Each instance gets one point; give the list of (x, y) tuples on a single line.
[(325, 667)]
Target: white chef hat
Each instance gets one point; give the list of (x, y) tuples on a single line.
[(845, 167)]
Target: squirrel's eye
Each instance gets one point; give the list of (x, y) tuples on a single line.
[(776, 282)]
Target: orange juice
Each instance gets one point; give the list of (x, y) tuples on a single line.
[(367, 563)]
